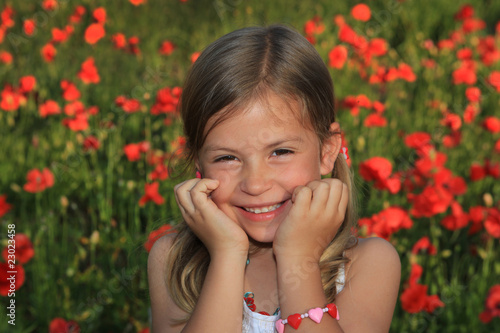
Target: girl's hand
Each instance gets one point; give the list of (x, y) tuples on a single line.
[(318, 210), (213, 227)]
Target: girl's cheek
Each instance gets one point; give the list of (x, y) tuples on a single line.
[(224, 187)]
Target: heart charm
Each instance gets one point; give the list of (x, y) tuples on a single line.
[(332, 310), (279, 326), (294, 320), (315, 314)]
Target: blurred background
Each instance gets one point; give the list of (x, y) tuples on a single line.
[(91, 147)]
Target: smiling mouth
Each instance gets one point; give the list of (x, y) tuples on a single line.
[(263, 209)]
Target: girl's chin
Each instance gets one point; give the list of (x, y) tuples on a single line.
[(261, 238)]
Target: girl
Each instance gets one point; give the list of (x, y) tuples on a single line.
[(266, 243)]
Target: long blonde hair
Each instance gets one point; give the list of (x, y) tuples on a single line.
[(227, 76)]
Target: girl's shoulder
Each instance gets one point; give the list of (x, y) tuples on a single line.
[(375, 253), (372, 282), (372, 247), (163, 308)]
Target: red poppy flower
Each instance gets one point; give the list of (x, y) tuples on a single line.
[(473, 94), (452, 121), (167, 100), (417, 140), (464, 54), (94, 33), (314, 26), (151, 194), (492, 222), (48, 52), (415, 273), (38, 180), (378, 107), (6, 57), (473, 24), (424, 244), (453, 139), (491, 305), (137, 2), (88, 72), (375, 168), (494, 80), (24, 249), (159, 173), (497, 146), (49, 108), (375, 120), (78, 123), (430, 162), (6, 287), (119, 41), (49, 5), (361, 12), (387, 222), (432, 201), (7, 16), (4, 206), (457, 220), (134, 150), (134, 45), (99, 15), (29, 26), (465, 73), (91, 143), (59, 35), (27, 83), (488, 51), (466, 11), (470, 113), (128, 105), (77, 15), (59, 325), (445, 44), (337, 56), (157, 234), (74, 108), (377, 47), (70, 91), (10, 99), (195, 56), (379, 170), (414, 298), (167, 47), (405, 72), (492, 124)]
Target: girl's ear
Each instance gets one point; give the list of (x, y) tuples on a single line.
[(330, 149), (197, 164)]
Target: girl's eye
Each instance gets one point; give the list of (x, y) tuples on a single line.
[(225, 158), (280, 152)]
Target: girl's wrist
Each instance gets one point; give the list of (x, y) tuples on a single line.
[(229, 256)]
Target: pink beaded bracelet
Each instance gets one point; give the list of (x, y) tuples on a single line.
[(315, 315)]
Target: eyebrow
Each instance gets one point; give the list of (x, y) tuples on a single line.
[(294, 139)]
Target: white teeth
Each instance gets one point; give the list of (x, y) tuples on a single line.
[(263, 209)]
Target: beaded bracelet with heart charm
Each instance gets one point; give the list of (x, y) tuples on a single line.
[(315, 315)]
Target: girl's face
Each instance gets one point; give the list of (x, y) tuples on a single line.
[(259, 157)]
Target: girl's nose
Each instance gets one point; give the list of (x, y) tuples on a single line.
[(256, 180)]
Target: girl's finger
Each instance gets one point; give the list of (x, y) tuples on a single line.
[(301, 197), (183, 195), (201, 191), (320, 194)]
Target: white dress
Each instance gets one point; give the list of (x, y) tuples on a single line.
[(254, 322)]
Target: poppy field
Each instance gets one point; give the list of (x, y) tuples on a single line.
[(91, 148)]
